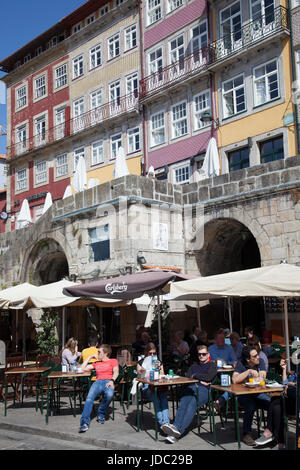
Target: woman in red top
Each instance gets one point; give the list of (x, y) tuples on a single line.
[(107, 371)]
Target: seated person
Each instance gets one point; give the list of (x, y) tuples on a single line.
[(70, 353), (202, 339), (220, 350), (250, 364), (205, 372), (254, 341), (107, 371), (180, 347), (236, 345), (249, 333), (162, 398), (139, 346), (92, 350)]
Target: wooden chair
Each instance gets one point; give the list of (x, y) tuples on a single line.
[(13, 381), (31, 382)]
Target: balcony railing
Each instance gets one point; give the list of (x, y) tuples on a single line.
[(75, 125), (262, 27)]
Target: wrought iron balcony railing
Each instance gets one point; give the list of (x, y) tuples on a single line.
[(201, 60), (75, 125)]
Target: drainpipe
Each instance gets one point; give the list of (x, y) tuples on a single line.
[(294, 77), (142, 77)]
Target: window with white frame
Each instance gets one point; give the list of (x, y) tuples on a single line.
[(266, 83), (90, 19), (61, 77), (79, 152), (234, 99), (62, 165), (173, 4), (115, 144), (199, 41), (21, 96), (132, 84), (21, 138), (40, 172), (104, 10), (179, 119), (130, 37), (201, 106), (78, 111), (60, 118), (95, 56), (40, 87), (78, 66), (133, 139), (157, 129), (77, 27), (96, 98), (154, 11), (182, 174), (155, 61), (177, 49), (114, 46), (119, 2), (38, 51), (231, 26), (262, 12), (27, 58), (21, 179), (115, 92), (97, 152), (40, 130)]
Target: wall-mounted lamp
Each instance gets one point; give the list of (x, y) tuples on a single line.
[(207, 118), (140, 258), (73, 277), (126, 270)]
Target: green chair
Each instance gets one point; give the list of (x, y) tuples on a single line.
[(119, 384)]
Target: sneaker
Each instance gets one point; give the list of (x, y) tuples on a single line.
[(170, 429), (101, 420), (171, 439), (83, 428), (264, 440), (247, 439)]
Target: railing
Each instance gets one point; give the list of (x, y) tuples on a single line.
[(77, 124), (202, 59)]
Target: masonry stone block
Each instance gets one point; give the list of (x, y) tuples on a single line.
[(256, 170), (290, 175), (220, 179), (268, 179), (230, 189), (215, 192), (237, 175)]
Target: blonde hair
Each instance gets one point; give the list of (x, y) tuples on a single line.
[(71, 344)]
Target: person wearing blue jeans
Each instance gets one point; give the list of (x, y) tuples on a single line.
[(143, 367), (205, 372), (107, 371)]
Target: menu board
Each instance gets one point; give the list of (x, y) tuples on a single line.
[(275, 304)]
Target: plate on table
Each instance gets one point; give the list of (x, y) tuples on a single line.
[(274, 385), (227, 366), (252, 385)]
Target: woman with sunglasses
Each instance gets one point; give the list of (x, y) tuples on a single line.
[(145, 365)]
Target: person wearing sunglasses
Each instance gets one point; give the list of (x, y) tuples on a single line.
[(145, 365), (250, 365), (204, 371)]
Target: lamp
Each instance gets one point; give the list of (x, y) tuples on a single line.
[(206, 118), (72, 277), (140, 258)]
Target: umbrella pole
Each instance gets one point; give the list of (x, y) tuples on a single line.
[(159, 328), (229, 310), (198, 314), (286, 332)]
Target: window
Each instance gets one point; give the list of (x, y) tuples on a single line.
[(266, 83), (21, 139), (177, 49), (21, 96), (133, 139), (155, 61), (21, 179), (154, 11), (96, 98), (116, 143), (233, 96), (199, 42), (119, 2), (173, 4), (62, 165), (115, 92), (60, 117), (271, 150), (99, 243), (201, 105), (38, 51), (179, 119), (27, 58), (40, 172), (130, 37), (132, 84), (79, 152), (78, 111), (157, 129), (95, 56), (114, 46), (90, 19), (61, 77), (104, 10), (40, 130), (182, 174), (262, 12), (77, 27), (97, 152), (238, 159), (78, 66), (40, 87), (231, 26)]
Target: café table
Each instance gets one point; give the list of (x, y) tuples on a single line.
[(163, 382), (237, 390), (59, 376), (21, 371)]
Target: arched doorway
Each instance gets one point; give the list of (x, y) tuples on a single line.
[(47, 262), (230, 246)]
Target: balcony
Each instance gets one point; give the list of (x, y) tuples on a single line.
[(74, 126), (267, 26)]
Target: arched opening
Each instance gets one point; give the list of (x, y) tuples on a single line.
[(48, 262), (230, 246)]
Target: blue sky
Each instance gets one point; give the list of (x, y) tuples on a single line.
[(22, 21)]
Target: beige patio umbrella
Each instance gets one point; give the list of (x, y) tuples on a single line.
[(280, 280)]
